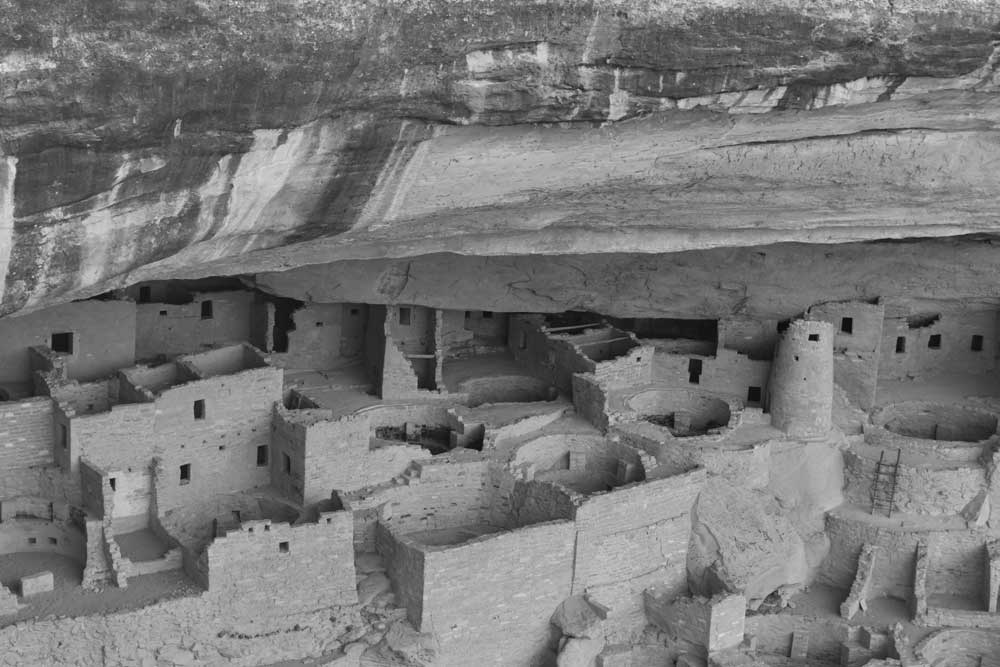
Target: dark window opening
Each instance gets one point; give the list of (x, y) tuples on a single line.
[(286, 461), (468, 314), (670, 328), (694, 371), (753, 395), (283, 547), (145, 294), (237, 517), (847, 325), (814, 338), (32, 540), (977, 343), (185, 473), (319, 324), (113, 483), (487, 314), (199, 408), (934, 342), (404, 316), (354, 312), (262, 455), (783, 325), (206, 310), (163, 313), (62, 342), (63, 436), (921, 320), (900, 344), (53, 541), (284, 323)]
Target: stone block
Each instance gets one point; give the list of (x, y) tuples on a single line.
[(42, 582), (800, 646), (853, 654)]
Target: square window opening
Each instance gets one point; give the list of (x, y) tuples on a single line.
[(404, 316), (63, 436), (53, 541), (32, 540), (319, 324), (900, 344), (262, 455), (934, 342), (753, 395), (283, 547), (62, 342), (163, 313), (847, 325), (354, 312), (185, 473), (199, 408), (814, 338), (977, 343), (207, 310)]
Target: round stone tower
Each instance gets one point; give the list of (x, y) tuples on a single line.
[(800, 392)]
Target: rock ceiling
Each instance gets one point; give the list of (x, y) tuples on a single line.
[(361, 139)]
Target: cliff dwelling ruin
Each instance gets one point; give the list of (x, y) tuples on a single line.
[(447, 333)]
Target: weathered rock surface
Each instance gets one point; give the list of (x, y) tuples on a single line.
[(150, 139), (741, 542)]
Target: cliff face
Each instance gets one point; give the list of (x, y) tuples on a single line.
[(148, 139)]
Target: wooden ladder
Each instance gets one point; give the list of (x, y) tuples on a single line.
[(883, 494)]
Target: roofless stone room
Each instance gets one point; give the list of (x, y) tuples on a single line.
[(513, 333)]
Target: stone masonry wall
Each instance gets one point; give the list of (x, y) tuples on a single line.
[(632, 537), (492, 597), (591, 400), (221, 448), (800, 392), (856, 352), (104, 339), (957, 564), (170, 329), (934, 490), (953, 355), (729, 372), (121, 437), (26, 439), (404, 561), (316, 341), (295, 568)]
